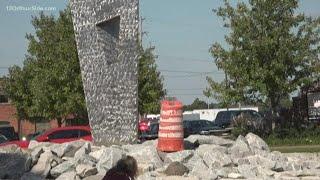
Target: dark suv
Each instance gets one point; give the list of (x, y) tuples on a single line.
[(198, 127), (224, 118)]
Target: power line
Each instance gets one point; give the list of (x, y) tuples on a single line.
[(178, 71), (186, 59), (185, 94), (187, 89)]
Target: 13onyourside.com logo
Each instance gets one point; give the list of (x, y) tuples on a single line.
[(30, 8)]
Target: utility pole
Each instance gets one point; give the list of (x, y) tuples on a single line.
[(141, 31), (227, 85)]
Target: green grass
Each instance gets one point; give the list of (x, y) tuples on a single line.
[(299, 148)]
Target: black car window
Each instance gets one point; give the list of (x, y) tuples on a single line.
[(186, 124), (207, 123), (84, 133), (8, 132), (3, 139), (64, 134), (195, 124), (154, 128)]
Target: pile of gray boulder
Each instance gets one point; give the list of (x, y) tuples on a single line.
[(205, 157)]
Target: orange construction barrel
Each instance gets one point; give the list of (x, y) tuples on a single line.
[(170, 136)]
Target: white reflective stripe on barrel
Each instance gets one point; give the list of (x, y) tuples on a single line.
[(172, 119), (171, 112), (174, 127), (171, 135)]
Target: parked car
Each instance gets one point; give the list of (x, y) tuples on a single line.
[(58, 135), (150, 133), (4, 142), (201, 126), (33, 136), (8, 131), (225, 118), (144, 124), (65, 134)]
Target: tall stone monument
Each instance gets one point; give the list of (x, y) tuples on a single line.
[(107, 35)]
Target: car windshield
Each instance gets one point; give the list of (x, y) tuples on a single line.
[(8, 132), (35, 135), (3, 139)]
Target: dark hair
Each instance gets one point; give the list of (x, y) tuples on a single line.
[(128, 165)]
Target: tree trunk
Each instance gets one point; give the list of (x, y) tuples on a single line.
[(274, 116), (19, 127), (35, 126), (59, 120)]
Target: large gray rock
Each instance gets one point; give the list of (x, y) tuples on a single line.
[(178, 178), (202, 149), (109, 158), (200, 169), (248, 171), (35, 144), (146, 176), (240, 148), (61, 149), (216, 159), (176, 169), (35, 154), (13, 166), (85, 149), (46, 161), (311, 164), (94, 177), (293, 166), (257, 161), (85, 159), (203, 139), (12, 148), (235, 176), (70, 175), (75, 146), (31, 176), (62, 168), (224, 171), (98, 153), (193, 161), (180, 156), (84, 170), (145, 155), (256, 144)]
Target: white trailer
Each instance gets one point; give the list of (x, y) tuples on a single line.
[(210, 114)]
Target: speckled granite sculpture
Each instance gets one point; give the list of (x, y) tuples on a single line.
[(107, 36)]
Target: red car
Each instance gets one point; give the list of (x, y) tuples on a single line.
[(66, 134), (58, 135)]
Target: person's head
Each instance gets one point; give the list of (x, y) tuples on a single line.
[(128, 165)]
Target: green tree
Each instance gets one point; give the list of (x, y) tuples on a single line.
[(196, 104), (150, 83), (57, 84), (49, 85), (272, 51), (16, 87)]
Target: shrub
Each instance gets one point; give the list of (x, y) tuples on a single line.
[(244, 123)]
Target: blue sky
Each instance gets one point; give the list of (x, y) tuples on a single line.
[(181, 30)]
